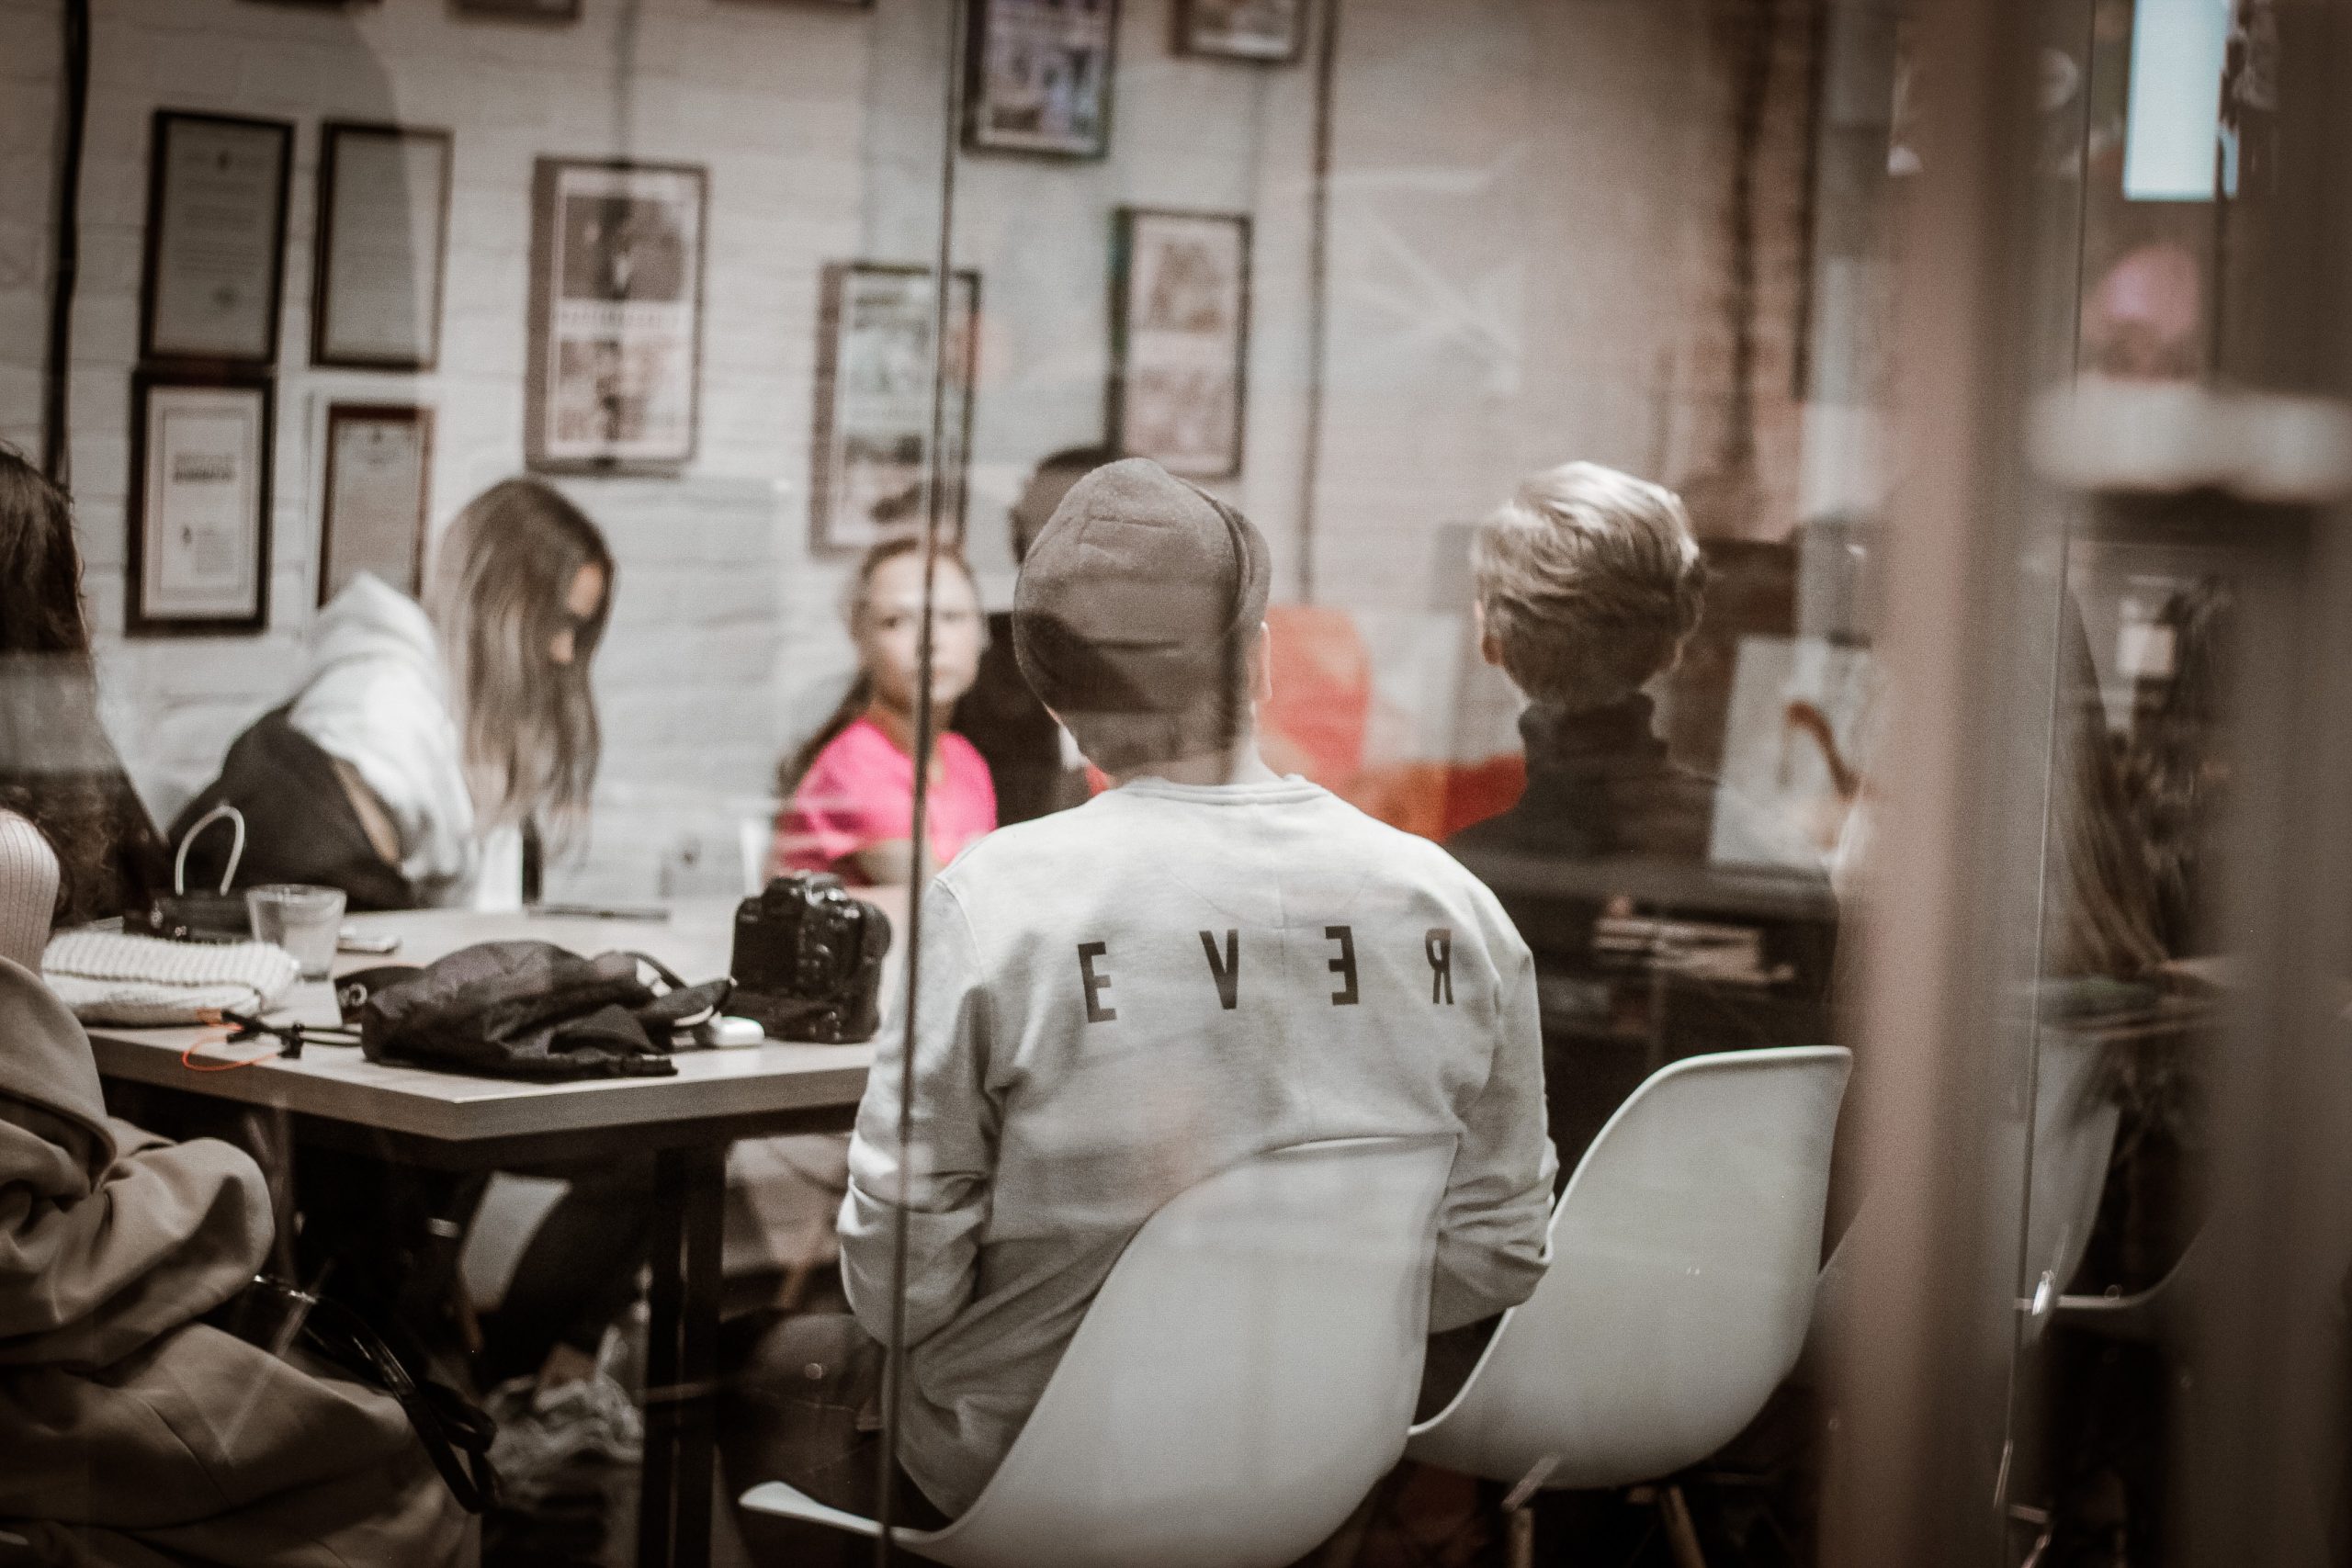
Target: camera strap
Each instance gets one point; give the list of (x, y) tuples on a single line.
[(681, 1006)]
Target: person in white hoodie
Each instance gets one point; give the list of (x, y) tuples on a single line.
[(422, 737), (419, 742)]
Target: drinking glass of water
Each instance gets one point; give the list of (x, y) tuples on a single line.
[(303, 920)]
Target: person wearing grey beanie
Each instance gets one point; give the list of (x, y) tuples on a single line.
[(1204, 964), (1139, 619)]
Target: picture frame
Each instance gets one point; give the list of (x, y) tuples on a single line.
[(383, 245), (616, 339), (202, 447), (1179, 349), (1270, 32), (1781, 809), (519, 10), (214, 267), (378, 484), (872, 403), (1038, 78)]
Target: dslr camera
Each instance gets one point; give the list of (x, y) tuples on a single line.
[(807, 961)]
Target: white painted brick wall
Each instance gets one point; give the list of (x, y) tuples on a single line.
[(1526, 191)]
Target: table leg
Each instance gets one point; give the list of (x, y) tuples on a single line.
[(682, 1360), (267, 1134), (657, 1489), (698, 1416)]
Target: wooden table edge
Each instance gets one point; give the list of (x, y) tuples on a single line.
[(617, 1105)]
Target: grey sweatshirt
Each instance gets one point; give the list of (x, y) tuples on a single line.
[(1120, 1000)]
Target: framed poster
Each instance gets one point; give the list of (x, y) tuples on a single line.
[(216, 238), (380, 468), (616, 257), (383, 235), (200, 504), (520, 10), (1242, 29), (1180, 324), (873, 406), (1802, 713), (1039, 76)]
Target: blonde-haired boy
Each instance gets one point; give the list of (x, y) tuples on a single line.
[(1589, 583)]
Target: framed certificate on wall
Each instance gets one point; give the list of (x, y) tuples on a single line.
[(216, 238), (383, 233), (380, 471), (873, 403), (1242, 29), (1180, 324), (520, 10), (616, 260), (1039, 76), (200, 504)]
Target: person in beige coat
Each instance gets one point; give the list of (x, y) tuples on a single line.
[(134, 1434)]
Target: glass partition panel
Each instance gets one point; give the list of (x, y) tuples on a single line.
[(1418, 749), (2122, 438), (467, 424), (1518, 369)]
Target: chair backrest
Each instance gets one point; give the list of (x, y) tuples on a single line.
[(2073, 1139), (1683, 1257), (1242, 1379)]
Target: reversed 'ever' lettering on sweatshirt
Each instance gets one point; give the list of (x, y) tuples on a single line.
[(1120, 1000)]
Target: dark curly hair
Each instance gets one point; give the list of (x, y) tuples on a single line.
[(58, 770)]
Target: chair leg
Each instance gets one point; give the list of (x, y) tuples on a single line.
[(1520, 1552), (1519, 1519), (1681, 1535)]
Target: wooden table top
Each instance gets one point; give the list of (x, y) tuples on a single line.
[(337, 1083)]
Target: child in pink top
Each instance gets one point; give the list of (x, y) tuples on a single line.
[(852, 788), (860, 793)]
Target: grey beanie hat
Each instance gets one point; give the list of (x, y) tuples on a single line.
[(1139, 596)]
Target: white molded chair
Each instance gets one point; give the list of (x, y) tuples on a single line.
[(1683, 1258), (2075, 1123), (2149, 1316), (1245, 1375)]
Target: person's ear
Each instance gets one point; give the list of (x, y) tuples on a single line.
[(1262, 665), (1490, 649)]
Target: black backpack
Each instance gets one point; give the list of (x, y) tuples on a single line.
[(300, 824)]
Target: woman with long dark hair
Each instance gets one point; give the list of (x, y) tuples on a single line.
[(58, 768), (850, 789)]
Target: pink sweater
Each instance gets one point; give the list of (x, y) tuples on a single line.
[(860, 792)]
